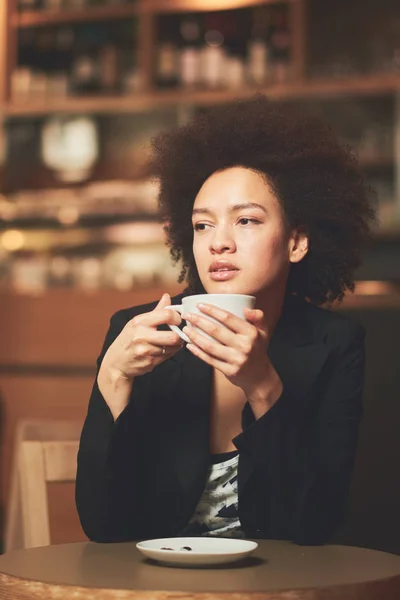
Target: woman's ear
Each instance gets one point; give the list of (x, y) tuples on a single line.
[(298, 245)]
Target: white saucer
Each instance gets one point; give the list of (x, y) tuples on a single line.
[(204, 550)]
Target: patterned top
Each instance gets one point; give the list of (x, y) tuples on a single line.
[(216, 513)]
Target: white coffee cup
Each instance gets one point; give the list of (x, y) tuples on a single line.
[(233, 303)]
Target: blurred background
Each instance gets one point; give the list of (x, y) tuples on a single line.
[(84, 85)]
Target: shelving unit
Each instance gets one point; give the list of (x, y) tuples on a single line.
[(150, 100), (146, 11)]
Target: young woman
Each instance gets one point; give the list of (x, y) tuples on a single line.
[(253, 434)]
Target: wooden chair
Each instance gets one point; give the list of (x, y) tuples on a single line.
[(45, 451)]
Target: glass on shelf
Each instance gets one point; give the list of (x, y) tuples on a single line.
[(87, 273), (60, 272), (29, 274), (70, 147), (87, 269), (108, 200), (222, 50)]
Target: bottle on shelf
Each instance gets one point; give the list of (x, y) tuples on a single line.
[(62, 53), (85, 65), (259, 51), (235, 43), (280, 45), (167, 53), (213, 53), (131, 79), (109, 66), (190, 51), (34, 60)]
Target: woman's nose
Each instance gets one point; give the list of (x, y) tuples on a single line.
[(222, 242)]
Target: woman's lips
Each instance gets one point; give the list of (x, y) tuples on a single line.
[(223, 275)]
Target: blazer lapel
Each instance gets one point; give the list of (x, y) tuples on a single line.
[(189, 449), (298, 356)]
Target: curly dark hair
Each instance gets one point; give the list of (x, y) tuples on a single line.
[(316, 179)]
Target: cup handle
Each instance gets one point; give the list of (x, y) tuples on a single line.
[(178, 308)]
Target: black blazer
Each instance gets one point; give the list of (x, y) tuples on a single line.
[(142, 475)]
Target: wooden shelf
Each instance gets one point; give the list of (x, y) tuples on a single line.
[(388, 232), (354, 86), (380, 162), (95, 105), (157, 100), (49, 17)]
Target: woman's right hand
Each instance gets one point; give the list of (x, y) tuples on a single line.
[(137, 350), (139, 346)]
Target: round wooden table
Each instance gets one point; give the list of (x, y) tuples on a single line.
[(277, 570)]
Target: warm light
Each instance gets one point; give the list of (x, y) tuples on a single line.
[(7, 209), (195, 5), (59, 267), (373, 288), (135, 233), (12, 240), (68, 215)]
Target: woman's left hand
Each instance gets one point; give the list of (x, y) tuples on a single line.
[(238, 349)]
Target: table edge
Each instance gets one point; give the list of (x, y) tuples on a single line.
[(371, 590)]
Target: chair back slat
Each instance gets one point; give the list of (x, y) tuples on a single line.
[(45, 452)]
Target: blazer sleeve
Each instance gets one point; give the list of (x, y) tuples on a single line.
[(321, 470), (108, 478)]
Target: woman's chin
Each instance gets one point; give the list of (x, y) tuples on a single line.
[(226, 287)]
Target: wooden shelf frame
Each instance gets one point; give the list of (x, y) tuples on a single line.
[(159, 100), (149, 99), (8, 50)]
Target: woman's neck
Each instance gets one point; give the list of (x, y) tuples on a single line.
[(271, 302)]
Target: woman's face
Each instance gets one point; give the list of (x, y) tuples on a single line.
[(240, 242)]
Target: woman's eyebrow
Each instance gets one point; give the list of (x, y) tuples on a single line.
[(235, 208), (199, 211), (247, 205)]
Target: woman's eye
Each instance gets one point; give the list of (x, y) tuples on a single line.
[(246, 221), (200, 226)]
